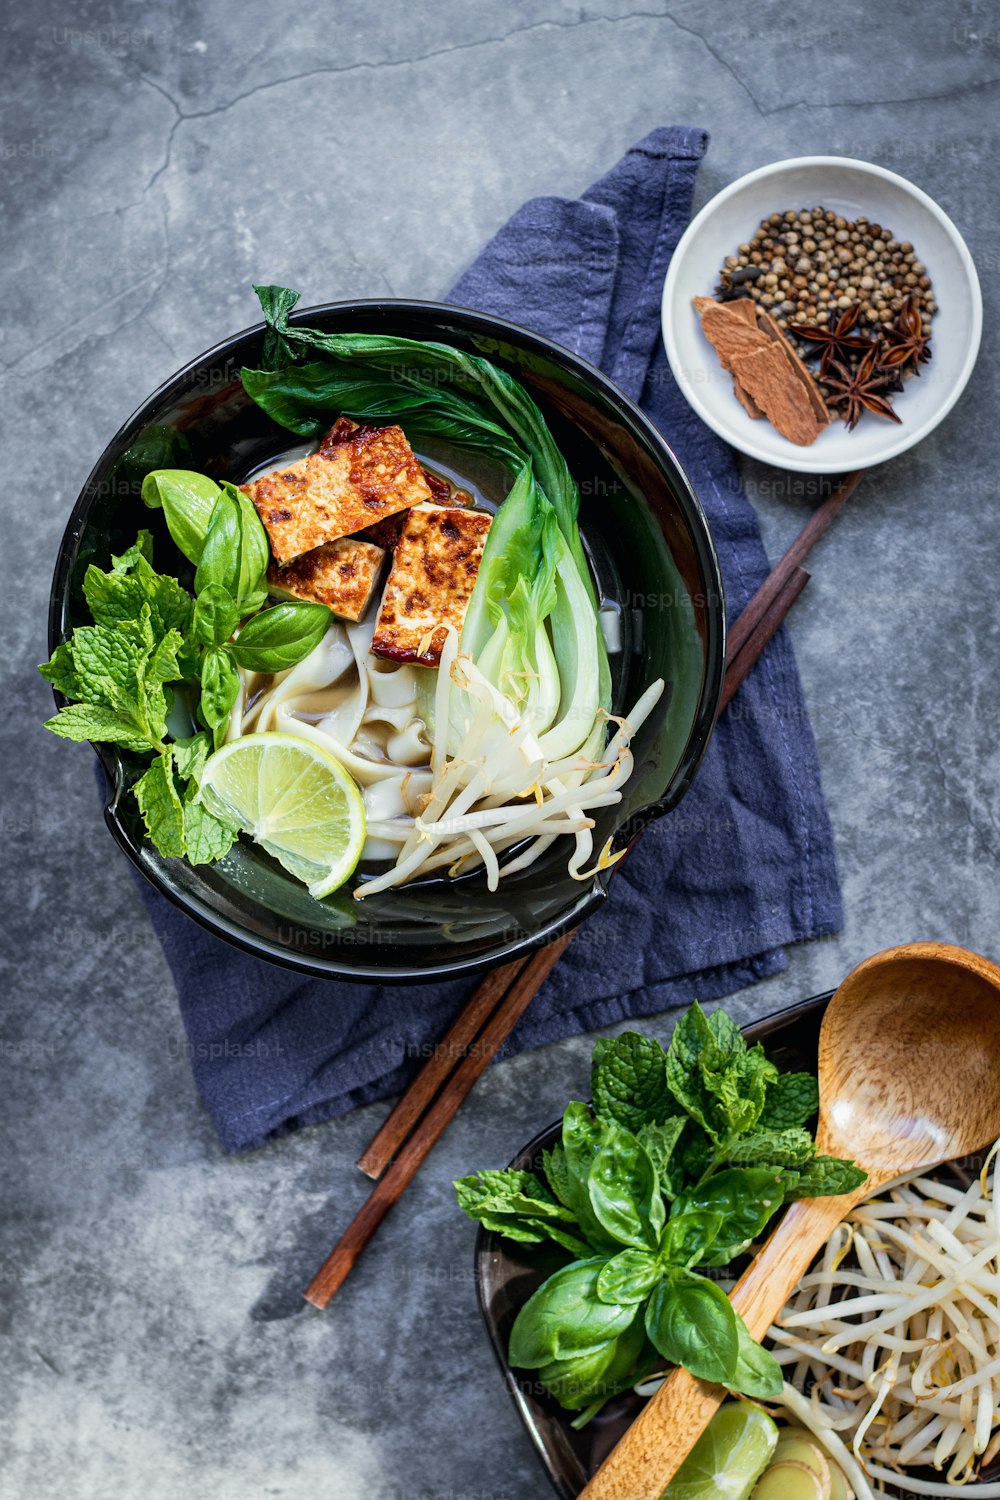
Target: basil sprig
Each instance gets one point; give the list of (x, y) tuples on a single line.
[(682, 1162)]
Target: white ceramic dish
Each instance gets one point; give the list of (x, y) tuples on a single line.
[(851, 188)]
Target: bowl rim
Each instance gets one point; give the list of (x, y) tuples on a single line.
[(703, 721), (802, 461)]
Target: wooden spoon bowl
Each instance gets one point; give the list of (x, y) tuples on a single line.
[(909, 1076)]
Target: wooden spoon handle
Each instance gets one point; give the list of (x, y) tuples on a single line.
[(665, 1431)]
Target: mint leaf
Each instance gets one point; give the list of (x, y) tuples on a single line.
[(215, 616), (141, 547), (119, 596), (190, 756), (791, 1100), (161, 808), (778, 1148), (106, 660), (61, 672), (825, 1177), (714, 1075), (206, 837), (629, 1081), (516, 1204), (97, 722)]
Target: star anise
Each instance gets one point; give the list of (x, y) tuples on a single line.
[(860, 389), (908, 344), (838, 341)]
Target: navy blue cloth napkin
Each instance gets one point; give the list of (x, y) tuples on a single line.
[(711, 894)]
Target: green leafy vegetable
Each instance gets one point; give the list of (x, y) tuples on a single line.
[(692, 1323), (151, 640), (824, 1177), (628, 1277), (628, 1079), (566, 1317), (187, 500), (215, 616), (624, 1190), (220, 686), (279, 637), (792, 1100), (709, 1127)]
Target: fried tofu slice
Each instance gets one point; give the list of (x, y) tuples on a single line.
[(358, 476), (341, 574), (433, 573)]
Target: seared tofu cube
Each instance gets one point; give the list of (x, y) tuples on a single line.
[(360, 475), (341, 574), (430, 583)]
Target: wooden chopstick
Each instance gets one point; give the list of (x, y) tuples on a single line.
[(527, 983), (448, 1053), (428, 1106), (776, 580), (740, 662)]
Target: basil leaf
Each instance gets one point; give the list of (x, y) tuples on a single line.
[(215, 615), (628, 1277), (757, 1371), (220, 686), (566, 1318), (660, 1142), (187, 500), (629, 1081), (572, 1161), (280, 637), (586, 1379), (623, 1188), (255, 552), (692, 1323), (220, 555), (745, 1197), (689, 1235)]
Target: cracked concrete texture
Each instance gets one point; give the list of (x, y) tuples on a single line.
[(156, 161)]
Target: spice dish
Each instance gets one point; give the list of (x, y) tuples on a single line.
[(799, 309)]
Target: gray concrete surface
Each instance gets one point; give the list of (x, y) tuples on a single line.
[(156, 160)]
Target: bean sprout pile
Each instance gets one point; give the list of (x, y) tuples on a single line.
[(895, 1336)]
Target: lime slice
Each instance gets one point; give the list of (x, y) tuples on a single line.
[(729, 1457), (295, 800)]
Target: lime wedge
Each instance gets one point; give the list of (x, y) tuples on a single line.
[(295, 800), (729, 1457)]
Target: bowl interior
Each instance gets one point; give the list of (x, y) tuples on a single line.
[(657, 577), (850, 188)]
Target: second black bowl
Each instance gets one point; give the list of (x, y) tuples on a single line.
[(654, 563)]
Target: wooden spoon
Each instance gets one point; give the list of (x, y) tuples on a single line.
[(909, 1076)]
